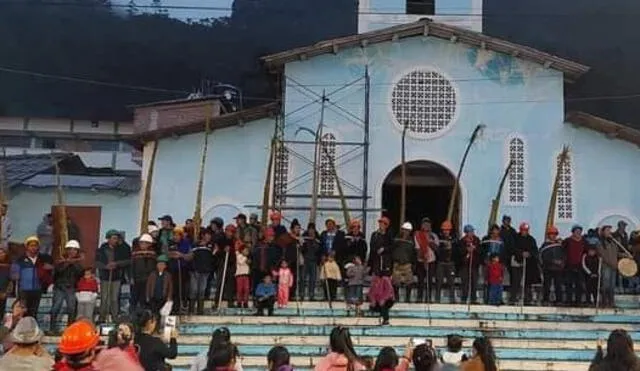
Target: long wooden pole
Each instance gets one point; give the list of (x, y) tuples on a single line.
[(316, 166), (403, 177), (61, 210), (266, 191), (144, 214), (197, 213), (3, 200), (551, 212), (495, 203), (456, 185), (343, 200)]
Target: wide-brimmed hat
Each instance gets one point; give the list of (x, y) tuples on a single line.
[(26, 331)]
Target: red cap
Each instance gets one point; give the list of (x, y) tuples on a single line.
[(524, 226), (275, 215), (384, 220)]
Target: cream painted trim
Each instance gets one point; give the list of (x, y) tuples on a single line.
[(432, 68)]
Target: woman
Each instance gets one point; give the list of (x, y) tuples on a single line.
[(219, 337), (483, 358), (223, 358), (278, 359), (425, 358), (18, 311), (342, 356), (27, 352), (620, 355), (122, 338), (152, 351), (388, 360)]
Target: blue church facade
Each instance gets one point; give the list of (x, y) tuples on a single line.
[(441, 82)]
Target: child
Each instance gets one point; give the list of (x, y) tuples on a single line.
[(159, 286), (356, 273), (454, 355), (285, 282), (590, 262), (242, 275), (87, 293), (330, 273), (381, 294), (495, 276), (265, 296)]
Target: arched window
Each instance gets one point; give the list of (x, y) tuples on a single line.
[(517, 179), (327, 159), (564, 196), (281, 175)]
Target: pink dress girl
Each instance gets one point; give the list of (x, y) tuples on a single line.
[(285, 282)]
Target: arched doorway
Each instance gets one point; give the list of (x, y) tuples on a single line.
[(429, 188)]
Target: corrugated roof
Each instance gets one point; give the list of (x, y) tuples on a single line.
[(22, 167), (427, 27), (117, 183)]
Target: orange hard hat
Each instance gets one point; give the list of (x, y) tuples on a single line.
[(78, 338), (446, 225), (552, 230)]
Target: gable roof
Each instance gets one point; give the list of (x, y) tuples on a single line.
[(610, 129), (218, 122), (426, 27)]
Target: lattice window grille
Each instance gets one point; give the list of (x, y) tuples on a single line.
[(425, 101), (564, 195), (517, 176), (281, 175), (327, 157)]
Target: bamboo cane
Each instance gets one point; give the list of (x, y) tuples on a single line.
[(144, 215), (197, 213), (224, 278), (523, 283), (61, 210), (403, 177), (456, 185), (495, 203), (267, 184), (343, 200), (551, 212), (469, 286), (316, 168), (599, 285), (3, 201)]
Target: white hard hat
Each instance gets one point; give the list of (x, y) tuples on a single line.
[(407, 226), (146, 237), (72, 244), (152, 228)]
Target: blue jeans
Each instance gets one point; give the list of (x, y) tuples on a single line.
[(354, 294), (495, 294), (608, 278), (310, 275), (62, 296), (198, 285)]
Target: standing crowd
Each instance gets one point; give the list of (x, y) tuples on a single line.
[(269, 265)]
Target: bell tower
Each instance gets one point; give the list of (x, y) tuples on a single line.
[(377, 14)]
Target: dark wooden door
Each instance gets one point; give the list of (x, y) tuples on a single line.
[(86, 220)]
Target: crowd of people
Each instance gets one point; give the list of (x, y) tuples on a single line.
[(133, 347), (245, 263)]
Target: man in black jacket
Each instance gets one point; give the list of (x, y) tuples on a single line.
[(112, 260)]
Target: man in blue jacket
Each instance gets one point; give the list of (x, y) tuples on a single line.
[(112, 260), (33, 272)]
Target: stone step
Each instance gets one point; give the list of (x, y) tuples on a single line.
[(300, 363)]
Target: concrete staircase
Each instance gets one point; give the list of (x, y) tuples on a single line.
[(531, 338)]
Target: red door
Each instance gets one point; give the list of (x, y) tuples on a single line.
[(86, 221)]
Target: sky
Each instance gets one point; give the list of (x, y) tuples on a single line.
[(194, 14)]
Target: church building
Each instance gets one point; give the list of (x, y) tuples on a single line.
[(424, 75)]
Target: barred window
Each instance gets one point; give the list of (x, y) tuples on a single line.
[(518, 175), (564, 201), (327, 160), (281, 174), (425, 101)]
